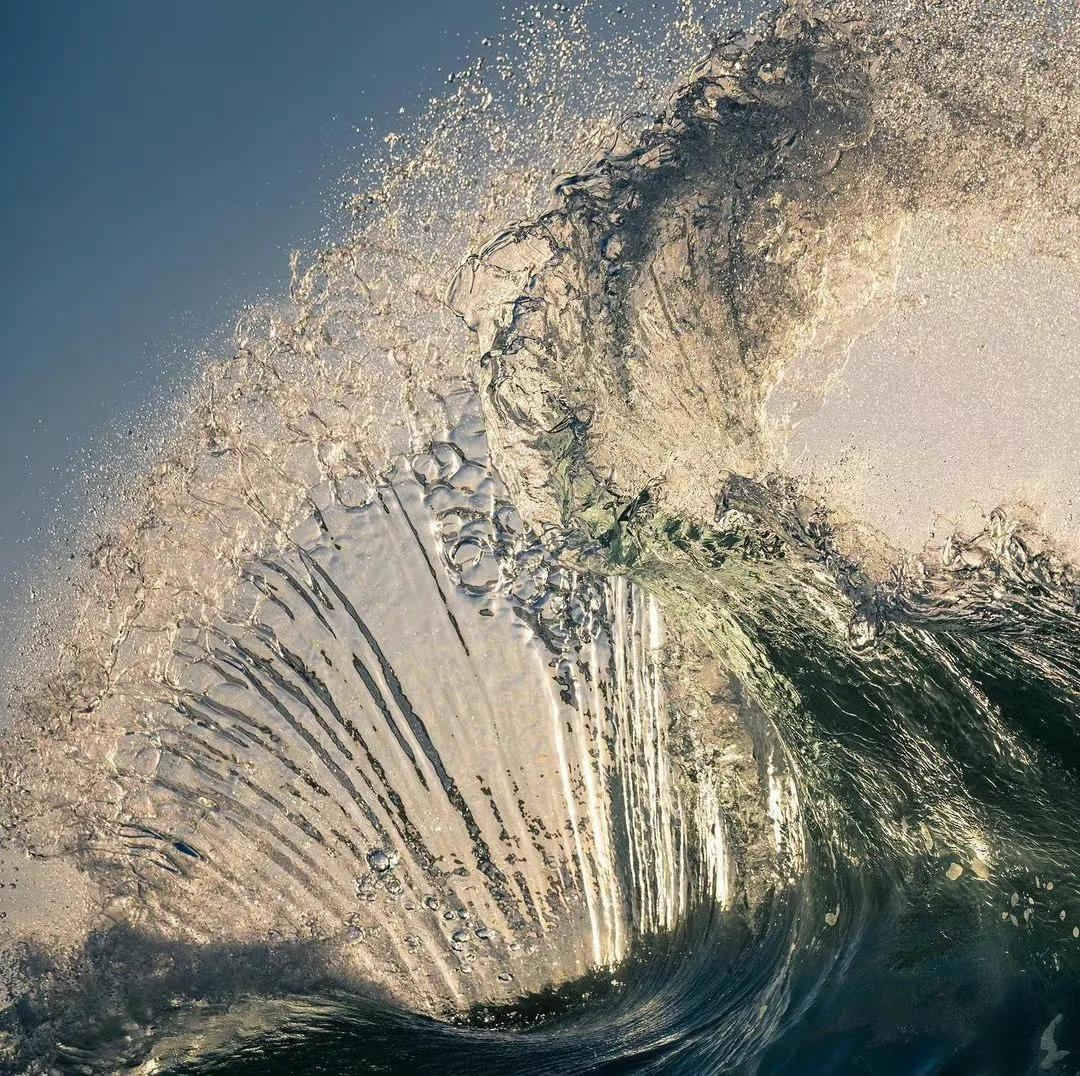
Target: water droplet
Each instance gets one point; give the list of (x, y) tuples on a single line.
[(380, 860)]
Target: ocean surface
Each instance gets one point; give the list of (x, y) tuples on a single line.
[(618, 613)]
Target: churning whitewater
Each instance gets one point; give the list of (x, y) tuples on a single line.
[(571, 634)]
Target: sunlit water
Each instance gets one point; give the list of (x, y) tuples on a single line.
[(617, 615)]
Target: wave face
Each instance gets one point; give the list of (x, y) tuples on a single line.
[(481, 682)]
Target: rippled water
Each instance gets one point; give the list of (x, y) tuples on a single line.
[(518, 661)]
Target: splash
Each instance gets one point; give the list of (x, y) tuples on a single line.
[(503, 650)]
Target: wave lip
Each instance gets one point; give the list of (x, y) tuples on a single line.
[(631, 336)]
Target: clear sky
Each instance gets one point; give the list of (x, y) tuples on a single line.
[(160, 160)]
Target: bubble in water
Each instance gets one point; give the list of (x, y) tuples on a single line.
[(366, 887), (380, 860)]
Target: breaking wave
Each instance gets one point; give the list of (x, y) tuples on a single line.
[(515, 661)]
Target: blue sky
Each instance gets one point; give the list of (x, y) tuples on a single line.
[(160, 162)]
